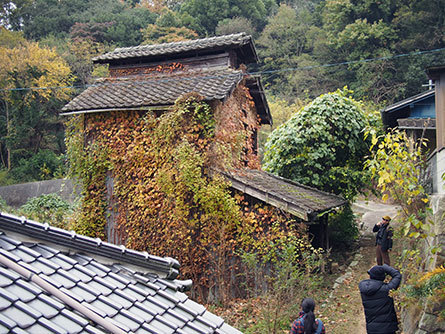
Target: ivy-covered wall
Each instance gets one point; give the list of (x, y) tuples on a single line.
[(150, 175)]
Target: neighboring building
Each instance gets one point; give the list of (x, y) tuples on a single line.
[(437, 160), (57, 281), (416, 115)]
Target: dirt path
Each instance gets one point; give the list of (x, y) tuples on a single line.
[(342, 311)]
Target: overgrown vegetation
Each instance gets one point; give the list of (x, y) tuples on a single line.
[(47, 208), (296, 270), (397, 163), (50, 208), (322, 145), (165, 198)]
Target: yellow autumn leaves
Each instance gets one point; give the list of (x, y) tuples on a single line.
[(25, 66)]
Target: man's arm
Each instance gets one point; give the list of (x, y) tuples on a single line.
[(375, 228), (396, 277)]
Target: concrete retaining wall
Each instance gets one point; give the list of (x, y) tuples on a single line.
[(16, 195)]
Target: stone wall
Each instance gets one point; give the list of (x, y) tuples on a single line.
[(16, 195), (425, 320)]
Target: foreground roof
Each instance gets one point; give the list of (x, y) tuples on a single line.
[(138, 92), (64, 286), (241, 42), (299, 200)]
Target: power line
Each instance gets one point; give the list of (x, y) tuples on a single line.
[(288, 69)]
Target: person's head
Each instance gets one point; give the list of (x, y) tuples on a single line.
[(386, 219), (377, 273), (308, 306)]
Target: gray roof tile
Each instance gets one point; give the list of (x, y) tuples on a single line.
[(93, 308), (150, 91), (163, 325), (300, 200), (27, 309), (57, 284), (4, 303), (45, 267), (51, 302), (12, 275), (49, 325), (110, 311), (72, 294), (74, 317), (142, 304), (22, 318), (23, 294), (225, 42), (7, 322), (5, 281), (92, 330), (9, 255), (8, 295), (67, 323), (4, 244), (19, 331), (46, 252), (130, 323), (94, 284), (41, 328), (83, 294), (141, 311), (154, 306), (46, 309), (63, 280)]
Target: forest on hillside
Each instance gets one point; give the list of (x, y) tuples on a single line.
[(378, 49)]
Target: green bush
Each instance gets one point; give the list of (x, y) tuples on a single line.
[(51, 209), (6, 178), (343, 230), (44, 165), (3, 205), (322, 146)]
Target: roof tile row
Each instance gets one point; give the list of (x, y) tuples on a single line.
[(148, 91), (226, 41), (136, 302)]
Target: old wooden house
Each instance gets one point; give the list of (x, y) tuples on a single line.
[(149, 79)]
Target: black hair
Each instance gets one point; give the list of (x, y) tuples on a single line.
[(308, 306)]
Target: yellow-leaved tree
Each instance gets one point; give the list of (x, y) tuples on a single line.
[(34, 84)]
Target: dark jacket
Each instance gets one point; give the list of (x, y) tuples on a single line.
[(379, 306), (384, 236)]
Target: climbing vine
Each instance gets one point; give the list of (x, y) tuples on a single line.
[(154, 178)]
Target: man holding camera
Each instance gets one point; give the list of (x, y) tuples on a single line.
[(383, 240)]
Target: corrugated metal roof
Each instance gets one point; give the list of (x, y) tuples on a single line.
[(299, 200), (128, 296), (409, 100)]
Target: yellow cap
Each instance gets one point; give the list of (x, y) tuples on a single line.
[(387, 218)]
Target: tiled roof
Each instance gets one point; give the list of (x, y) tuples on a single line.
[(143, 51), (49, 288), (149, 91), (299, 200)]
